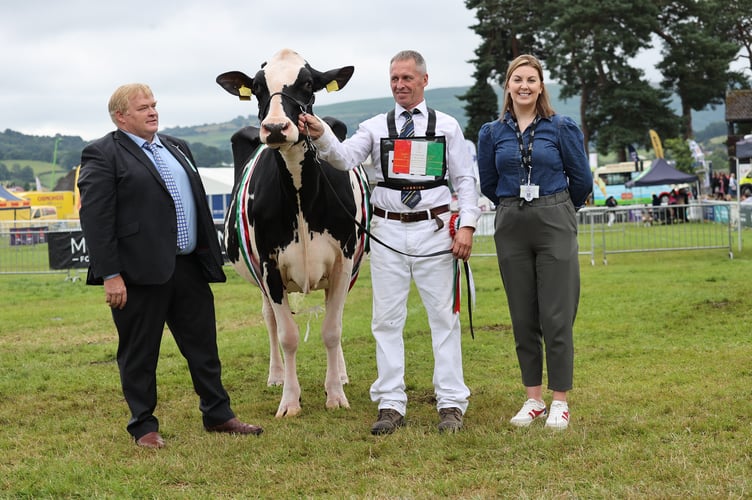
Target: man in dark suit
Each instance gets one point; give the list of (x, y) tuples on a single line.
[(152, 244)]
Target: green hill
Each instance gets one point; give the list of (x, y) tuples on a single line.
[(444, 99)]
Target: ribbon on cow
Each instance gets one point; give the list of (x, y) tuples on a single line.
[(363, 244), (242, 226)]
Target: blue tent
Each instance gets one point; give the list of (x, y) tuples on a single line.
[(10, 200)]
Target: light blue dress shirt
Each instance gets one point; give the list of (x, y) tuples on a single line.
[(181, 180)]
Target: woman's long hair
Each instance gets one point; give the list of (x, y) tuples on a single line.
[(543, 104)]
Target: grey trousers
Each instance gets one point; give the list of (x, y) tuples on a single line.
[(536, 246)]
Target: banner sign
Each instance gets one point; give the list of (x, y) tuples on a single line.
[(67, 249)]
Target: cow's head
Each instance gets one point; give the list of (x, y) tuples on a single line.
[(285, 87)]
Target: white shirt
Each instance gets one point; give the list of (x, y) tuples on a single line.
[(367, 142)]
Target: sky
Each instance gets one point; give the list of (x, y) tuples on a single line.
[(61, 60)]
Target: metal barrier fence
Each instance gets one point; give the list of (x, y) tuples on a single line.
[(52, 246), (639, 228), (59, 246), (483, 244)]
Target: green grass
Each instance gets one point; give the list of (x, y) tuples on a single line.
[(660, 407)]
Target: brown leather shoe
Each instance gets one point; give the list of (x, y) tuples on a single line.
[(235, 426), (389, 420), (151, 440)]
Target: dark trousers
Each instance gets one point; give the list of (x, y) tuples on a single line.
[(186, 304), (536, 246)]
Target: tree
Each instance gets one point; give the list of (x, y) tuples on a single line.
[(507, 29), (696, 58), (210, 156), (482, 107), (625, 110), (589, 46), (736, 16), (678, 150)]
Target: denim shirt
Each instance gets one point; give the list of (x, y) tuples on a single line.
[(559, 159)]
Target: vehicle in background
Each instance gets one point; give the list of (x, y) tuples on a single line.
[(610, 180), (63, 201), (44, 213), (32, 213), (745, 185)]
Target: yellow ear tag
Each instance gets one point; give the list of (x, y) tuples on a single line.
[(332, 86), (244, 93)]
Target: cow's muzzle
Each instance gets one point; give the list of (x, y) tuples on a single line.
[(276, 132)]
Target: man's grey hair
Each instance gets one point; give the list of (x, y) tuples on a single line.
[(403, 55)]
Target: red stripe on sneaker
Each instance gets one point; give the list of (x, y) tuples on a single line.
[(536, 413)]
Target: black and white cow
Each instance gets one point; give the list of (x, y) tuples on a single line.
[(294, 223)]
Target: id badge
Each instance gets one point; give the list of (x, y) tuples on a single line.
[(529, 192)]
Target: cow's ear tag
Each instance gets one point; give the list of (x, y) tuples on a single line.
[(244, 93), (332, 86)]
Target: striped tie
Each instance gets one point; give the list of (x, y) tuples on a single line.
[(410, 197), (408, 129), (169, 180)]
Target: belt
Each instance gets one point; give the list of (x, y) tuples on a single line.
[(411, 216), (550, 199)]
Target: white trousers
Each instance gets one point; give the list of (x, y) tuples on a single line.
[(391, 275)]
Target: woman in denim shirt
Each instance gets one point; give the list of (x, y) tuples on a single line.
[(534, 167)]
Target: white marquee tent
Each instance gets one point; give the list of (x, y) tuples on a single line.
[(218, 184)]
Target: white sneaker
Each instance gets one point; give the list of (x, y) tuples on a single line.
[(558, 418), (531, 410)]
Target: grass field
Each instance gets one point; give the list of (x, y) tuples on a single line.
[(661, 406)]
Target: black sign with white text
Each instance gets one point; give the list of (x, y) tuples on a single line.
[(67, 249)]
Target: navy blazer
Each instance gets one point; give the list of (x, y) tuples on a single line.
[(128, 216)]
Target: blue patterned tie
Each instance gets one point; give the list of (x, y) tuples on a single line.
[(410, 197), (169, 180), (408, 129)]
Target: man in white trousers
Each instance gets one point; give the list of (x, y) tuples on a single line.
[(411, 215)]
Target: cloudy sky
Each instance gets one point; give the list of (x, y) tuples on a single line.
[(61, 60)]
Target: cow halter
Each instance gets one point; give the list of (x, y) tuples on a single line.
[(304, 107)]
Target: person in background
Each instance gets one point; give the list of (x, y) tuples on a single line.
[(733, 185), (611, 203), (533, 164), (152, 244), (658, 213), (418, 224), (673, 200)]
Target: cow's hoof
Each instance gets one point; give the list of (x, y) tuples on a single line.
[(288, 411), (337, 403), (273, 382)]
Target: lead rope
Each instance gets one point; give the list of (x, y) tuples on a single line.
[(468, 277)]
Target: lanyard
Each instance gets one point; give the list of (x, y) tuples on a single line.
[(526, 156)]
